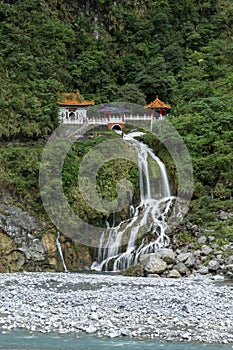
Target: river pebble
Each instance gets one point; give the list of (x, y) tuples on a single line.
[(194, 308)]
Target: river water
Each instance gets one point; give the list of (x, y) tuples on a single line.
[(38, 341)]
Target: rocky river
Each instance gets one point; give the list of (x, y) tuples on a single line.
[(194, 308)]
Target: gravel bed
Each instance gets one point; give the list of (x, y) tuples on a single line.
[(185, 309)]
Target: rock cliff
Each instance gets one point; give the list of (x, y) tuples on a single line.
[(27, 245)]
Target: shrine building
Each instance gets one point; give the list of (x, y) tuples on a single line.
[(159, 107), (72, 108)]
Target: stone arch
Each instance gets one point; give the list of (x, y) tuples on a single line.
[(116, 127)]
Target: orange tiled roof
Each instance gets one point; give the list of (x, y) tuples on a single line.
[(157, 104), (73, 99)]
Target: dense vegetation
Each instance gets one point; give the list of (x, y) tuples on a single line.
[(126, 50)]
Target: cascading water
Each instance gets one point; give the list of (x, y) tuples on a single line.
[(58, 244), (149, 217)]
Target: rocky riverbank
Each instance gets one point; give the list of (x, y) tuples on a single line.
[(186, 309), (175, 263)]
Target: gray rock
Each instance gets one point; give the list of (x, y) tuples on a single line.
[(218, 252), (17, 222), (153, 275), (123, 305), (214, 246), (191, 261), (93, 307), (229, 260), (223, 215), (144, 257), (197, 253), (213, 265), (174, 274), (229, 275), (125, 332), (33, 250), (198, 263), (183, 257), (226, 247), (185, 308), (153, 264), (203, 270), (94, 316), (202, 240), (167, 255), (203, 258), (211, 238), (23, 230), (218, 278), (181, 268), (206, 250), (184, 249), (113, 333), (91, 329)]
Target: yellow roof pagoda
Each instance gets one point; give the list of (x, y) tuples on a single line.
[(73, 99), (157, 104)]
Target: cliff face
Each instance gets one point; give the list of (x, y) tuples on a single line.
[(27, 244), (24, 248)]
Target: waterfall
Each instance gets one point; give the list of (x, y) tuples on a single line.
[(147, 221), (60, 251), (144, 152)]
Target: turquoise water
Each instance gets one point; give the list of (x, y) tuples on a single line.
[(37, 341)]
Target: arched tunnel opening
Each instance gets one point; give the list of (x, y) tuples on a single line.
[(116, 127)]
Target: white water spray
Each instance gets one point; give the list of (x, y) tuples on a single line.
[(148, 219), (58, 244)]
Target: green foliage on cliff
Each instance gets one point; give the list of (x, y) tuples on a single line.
[(19, 172), (107, 176), (111, 51)]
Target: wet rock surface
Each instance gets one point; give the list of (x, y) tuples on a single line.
[(190, 309), (21, 246), (27, 244)]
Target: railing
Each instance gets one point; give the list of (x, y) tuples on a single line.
[(116, 119), (111, 119), (94, 120), (138, 117), (84, 121)]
